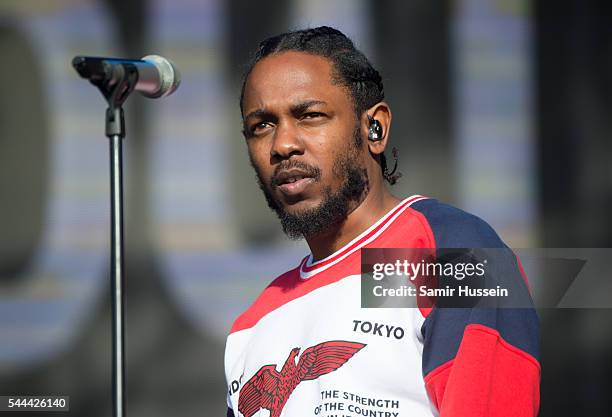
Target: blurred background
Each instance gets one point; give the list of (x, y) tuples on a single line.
[(501, 107)]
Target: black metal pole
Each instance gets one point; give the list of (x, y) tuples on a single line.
[(115, 131), (117, 274)]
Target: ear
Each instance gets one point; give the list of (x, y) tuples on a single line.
[(381, 112)]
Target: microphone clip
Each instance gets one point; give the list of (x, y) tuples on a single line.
[(115, 82)]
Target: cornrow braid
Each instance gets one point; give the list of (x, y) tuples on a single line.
[(394, 175), (310, 34), (350, 68)]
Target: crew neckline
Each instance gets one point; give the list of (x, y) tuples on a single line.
[(308, 268)]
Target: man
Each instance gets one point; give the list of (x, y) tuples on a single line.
[(316, 128)]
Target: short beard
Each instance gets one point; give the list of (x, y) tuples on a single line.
[(335, 207)]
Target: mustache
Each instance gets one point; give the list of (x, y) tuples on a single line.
[(308, 170)]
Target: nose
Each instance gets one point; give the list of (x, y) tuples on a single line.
[(287, 142)]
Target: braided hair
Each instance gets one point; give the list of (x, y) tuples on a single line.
[(350, 68)]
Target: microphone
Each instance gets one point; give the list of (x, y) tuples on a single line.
[(156, 75)]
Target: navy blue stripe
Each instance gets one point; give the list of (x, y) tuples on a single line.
[(455, 228)]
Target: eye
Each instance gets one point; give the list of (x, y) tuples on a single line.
[(312, 115), (258, 127)]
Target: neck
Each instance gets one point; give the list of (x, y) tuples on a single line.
[(364, 215)]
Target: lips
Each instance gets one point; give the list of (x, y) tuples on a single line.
[(296, 187), (292, 182)]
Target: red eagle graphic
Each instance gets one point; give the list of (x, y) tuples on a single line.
[(271, 389)]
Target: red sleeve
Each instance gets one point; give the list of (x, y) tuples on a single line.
[(488, 378)]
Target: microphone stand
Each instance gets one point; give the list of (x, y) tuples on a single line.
[(116, 94)]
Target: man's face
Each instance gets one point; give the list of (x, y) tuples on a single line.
[(304, 142)]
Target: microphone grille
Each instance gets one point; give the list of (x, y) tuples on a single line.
[(169, 75)]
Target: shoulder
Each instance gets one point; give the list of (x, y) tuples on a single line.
[(455, 228)]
